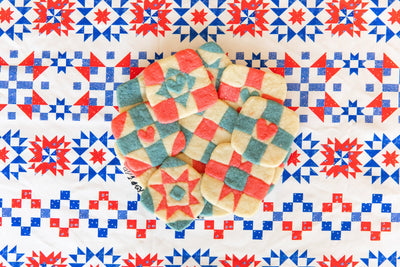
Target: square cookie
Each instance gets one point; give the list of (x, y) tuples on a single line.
[(173, 194), (143, 141), (233, 183), (239, 82), (178, 86), (264, 131)]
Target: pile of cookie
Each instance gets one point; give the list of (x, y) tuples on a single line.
[(203, 136)]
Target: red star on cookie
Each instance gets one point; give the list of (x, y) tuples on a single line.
[(167, 179)]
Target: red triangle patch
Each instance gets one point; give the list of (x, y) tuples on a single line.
[(320, 63), (319, 111), (135, 71), (37, 70), (95, 62), (388, 63), (386, 112), (83, 101), (2, 106), (125, 62), (376, 103), (330, 72), (28, 61), (93, 110), (27, 109), (3, 62), (290, 63), (293, 108), (280, 71), (329, 102), (85, 71), (377, 72), (37, 100)]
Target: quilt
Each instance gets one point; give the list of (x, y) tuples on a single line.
[(65, 199)]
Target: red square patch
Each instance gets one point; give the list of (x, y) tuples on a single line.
[(216, 170), (188, 60), (206, 129), (227, 92), (153, 74), (205, 97), (255, 78), (166, 111)]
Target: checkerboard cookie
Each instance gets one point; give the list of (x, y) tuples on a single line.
[(178, 86), (215, 60), (173, 194), (233, 183), (204, 131), (143, 141), (238, 83), (264, 131), (131, 93)]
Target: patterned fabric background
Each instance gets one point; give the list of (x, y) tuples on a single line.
[(65, 200)]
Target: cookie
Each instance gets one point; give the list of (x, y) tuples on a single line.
[(173, 194), (233, 183), (178, 86), (215, 60), (264, 131), (131, 93), (197, 165), (238, 83), (204, 131), (143, 141)]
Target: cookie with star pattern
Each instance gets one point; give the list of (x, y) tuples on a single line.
[(173, 194), (233, 183)]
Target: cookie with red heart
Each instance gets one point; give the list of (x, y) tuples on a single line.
[(264, 131), (143, 141)]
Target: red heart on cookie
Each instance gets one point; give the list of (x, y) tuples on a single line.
[(148, 135), (265, 131)]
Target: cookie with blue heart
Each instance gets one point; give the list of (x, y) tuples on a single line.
[(238, 83)]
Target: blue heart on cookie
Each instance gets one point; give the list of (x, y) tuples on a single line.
[(245, 94), (176, 86)]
